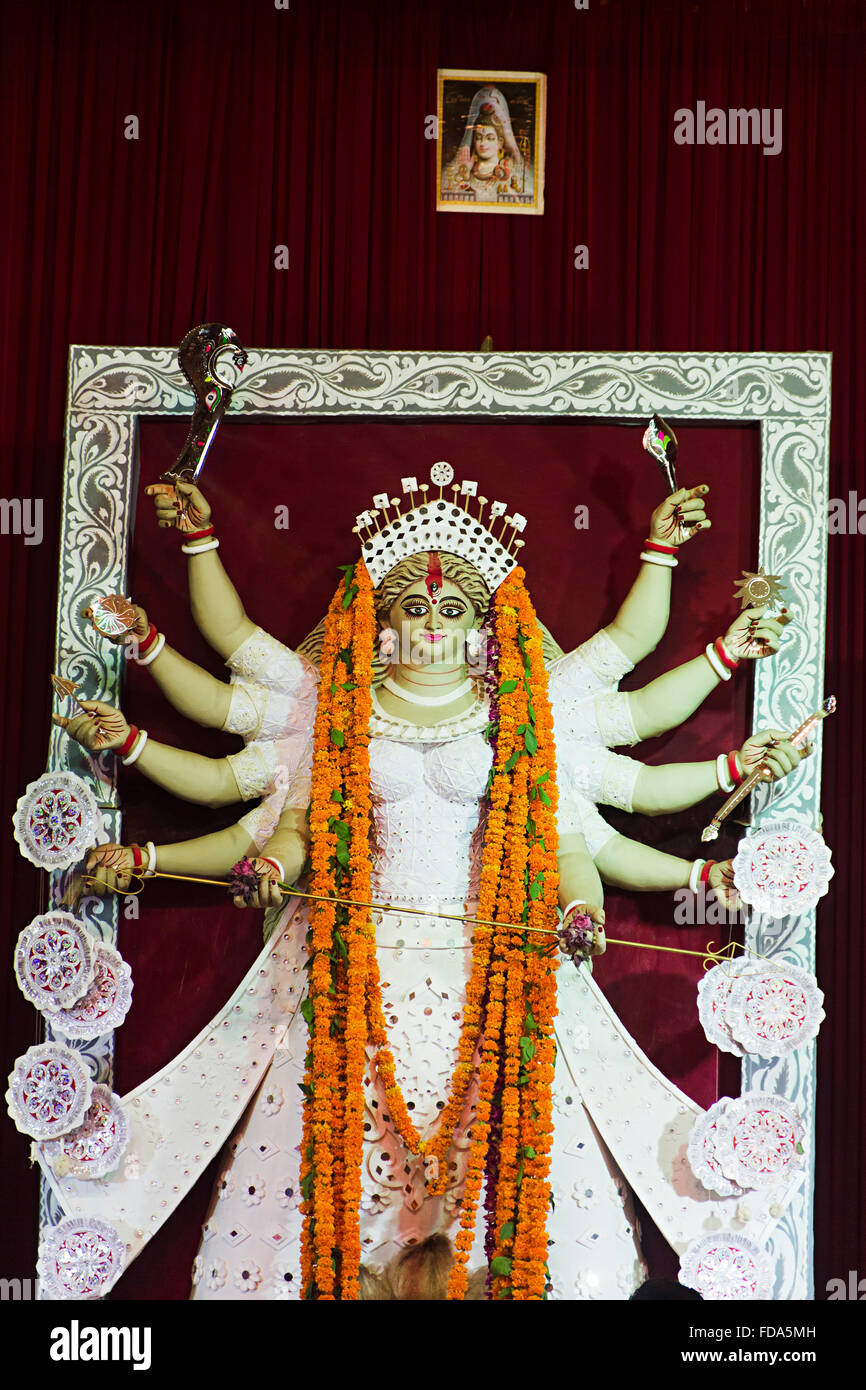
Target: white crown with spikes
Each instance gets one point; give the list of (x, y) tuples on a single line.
[(440, 523)]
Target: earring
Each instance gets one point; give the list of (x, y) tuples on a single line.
[(475, 644), (387, 644)]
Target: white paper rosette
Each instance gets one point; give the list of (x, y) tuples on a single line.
[(703, 1152), (49, 1091), (760, 1140), (726, 1266), (782, 868), (713, 994), (106, 1003), (57, 820), (774, 1008), (54, 961), (97, 1146), (80, 1259)]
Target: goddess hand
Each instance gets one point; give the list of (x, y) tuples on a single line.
[(106, 728), (721, 881), (752, 636), (680, 516), (133, 635), (111, 867), (773, 748), (594, 945), (182, 506), (268, 894)]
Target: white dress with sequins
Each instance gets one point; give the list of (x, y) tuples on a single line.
[(427, 785)]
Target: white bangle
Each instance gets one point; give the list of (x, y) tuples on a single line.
[(723, 776), (151, 859), (200, 549), (713, 658), (275, 863), (136, 750), (653, 557), (152, 655), (694, 876)]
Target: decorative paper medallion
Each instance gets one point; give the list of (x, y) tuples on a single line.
[(97, 1146), (713, 994), (703, 1154), (726, 1266), (760, 1140), (774, 1009), (54, 961), (57, 820), (782, 868), (49, 1091), (106, 1003), (81, 1258)]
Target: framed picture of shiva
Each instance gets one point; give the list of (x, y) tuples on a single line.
[(491, 141)]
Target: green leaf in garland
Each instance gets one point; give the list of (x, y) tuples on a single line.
[(530, 1152), (543, 794), (348, 685), (342, 853), (338, 737), (341, 946), (337, 796), (506, 1232), (507, 686), (543, 778), (307, 1183), (512, 762), (308, 1010), (500, 1266), (531, 741), (527, 1052), (342, 830), (535, 890), (349, 596)]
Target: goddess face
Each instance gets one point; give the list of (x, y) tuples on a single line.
[(486, 142), (431, 631)]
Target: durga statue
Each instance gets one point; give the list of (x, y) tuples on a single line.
[(427, 766)]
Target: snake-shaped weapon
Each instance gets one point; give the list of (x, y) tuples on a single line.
[(197, 357), (762, 772)]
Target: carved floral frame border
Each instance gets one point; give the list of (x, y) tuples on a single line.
[(110, 389)]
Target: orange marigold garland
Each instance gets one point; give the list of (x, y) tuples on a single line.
[(518, 1047), (510, 999), (340, 942)]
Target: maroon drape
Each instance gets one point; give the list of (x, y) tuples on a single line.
[(261, 127)]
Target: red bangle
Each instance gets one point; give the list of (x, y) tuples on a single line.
[(265, 860), (733, 770), (137, 859), (662, 549), (197, 535), (147, 642), (705, 871), (126, 746), (727, 661)]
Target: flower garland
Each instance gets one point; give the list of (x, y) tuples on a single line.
[(519, 882), (340, 943), (507, 1030)]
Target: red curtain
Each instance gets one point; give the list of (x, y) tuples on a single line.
[(260, 127)]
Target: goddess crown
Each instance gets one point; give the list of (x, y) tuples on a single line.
[(440, 524)]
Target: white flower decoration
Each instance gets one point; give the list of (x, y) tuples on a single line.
[(253, 1190), (584, 1197), (197, 1270), (272, 1100), (226, 1185), (286, 1280), (288, 1193), (248, 1278), (216, 1273)]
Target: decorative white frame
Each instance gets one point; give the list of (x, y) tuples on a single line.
[(787, 394)]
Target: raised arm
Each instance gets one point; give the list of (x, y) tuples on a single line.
[(206, 781), (671, 698), (194, 692), (216, 606), (642, 619), (677, 786)]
